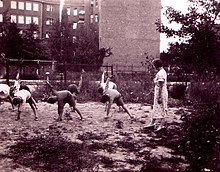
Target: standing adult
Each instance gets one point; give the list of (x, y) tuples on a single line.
[(160, 96)]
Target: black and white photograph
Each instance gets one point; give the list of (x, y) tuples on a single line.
[(109, 85)]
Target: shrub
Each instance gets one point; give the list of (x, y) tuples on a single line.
[(178, 91), (199, 142)]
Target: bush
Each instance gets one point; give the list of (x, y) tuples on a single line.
[(199, 142), (178, 91)]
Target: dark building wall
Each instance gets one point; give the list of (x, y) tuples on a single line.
[(128, 27)]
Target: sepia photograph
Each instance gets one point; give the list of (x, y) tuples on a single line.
[(109, 85)]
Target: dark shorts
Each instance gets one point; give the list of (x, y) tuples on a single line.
[(119, 101), (70, 99), (30, 100)]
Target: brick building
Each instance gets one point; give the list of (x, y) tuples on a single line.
[(45, 12)]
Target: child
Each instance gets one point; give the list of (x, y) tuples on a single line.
[(73, 88), (62, 97), (111, 84), (21, 97), (113, 96)]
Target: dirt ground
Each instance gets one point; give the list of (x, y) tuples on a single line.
[(127, 138)]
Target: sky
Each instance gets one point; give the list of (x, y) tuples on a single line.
[(61, 8), (181, 5)]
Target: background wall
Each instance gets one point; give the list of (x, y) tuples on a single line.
[(128, 27)]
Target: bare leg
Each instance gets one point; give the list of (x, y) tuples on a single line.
[(10, 100), (33, 108), (19, 112), (78, 112), (60, 111), (126, 110), (34, 102)]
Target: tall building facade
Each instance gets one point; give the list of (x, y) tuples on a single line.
[(45, 12), (128, 27)]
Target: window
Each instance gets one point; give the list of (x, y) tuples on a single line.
[(21, 5), (91, 18), (81, 16), (28, 20), (36, 20), (81, 21), (96, 18), (49, 8), (49, 21), (68, 11), (75, 12), (35, 34), (13, 5), (74, 40), (21, 19), (28, 6), (1, 3), (92, 3), (47, 35), (13, 18), (35, 7), (81, 12), (96, 3), (1, 18), (74, 25)]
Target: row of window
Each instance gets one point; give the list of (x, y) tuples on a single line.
[(29, 6), (92, 18), (22, 19), (30, 19), (49, 21)]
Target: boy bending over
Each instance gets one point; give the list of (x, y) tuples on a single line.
[(62, 97), (113, 96), (21, 97)]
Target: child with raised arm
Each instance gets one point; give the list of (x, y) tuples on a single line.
[(62, 97), (111, 84), (73, 88), (113, 96)]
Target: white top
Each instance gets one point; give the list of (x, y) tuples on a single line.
[(4, 91), (111, 85), (24, 94)]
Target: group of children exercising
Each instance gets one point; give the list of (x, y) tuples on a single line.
[(21, 94)]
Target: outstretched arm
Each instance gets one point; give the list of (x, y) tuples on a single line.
[(17, 76), (103, 77), (107, 84), (54, 92), (81, 81)]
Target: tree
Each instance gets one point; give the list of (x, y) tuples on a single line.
[(200, 49), (76, 47), (33, 48)]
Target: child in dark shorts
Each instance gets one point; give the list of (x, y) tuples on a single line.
[(62, 97), (113, 96)]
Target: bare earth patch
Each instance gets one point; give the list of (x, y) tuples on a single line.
[(94, 144)]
